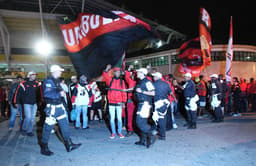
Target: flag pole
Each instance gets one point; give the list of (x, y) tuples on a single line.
[(229, 53)]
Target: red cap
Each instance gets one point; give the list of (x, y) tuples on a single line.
[(117, 69)]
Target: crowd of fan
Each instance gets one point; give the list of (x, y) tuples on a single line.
[(119, 100)]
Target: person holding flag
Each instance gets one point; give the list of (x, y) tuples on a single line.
[(117, 97)]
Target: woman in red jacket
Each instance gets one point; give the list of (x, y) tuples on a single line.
[(117, 98)]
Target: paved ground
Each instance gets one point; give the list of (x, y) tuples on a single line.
[(232, 143)]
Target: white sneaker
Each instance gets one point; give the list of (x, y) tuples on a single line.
[(235, 115), (52, 131), (174, 126)]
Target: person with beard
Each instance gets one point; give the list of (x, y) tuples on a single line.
[(27, 93), (55, 111)]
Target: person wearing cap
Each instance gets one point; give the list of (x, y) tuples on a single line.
[(80, 100), (144, 93), (28, 93), (131, 81), (55, 111), (161, 102), (117, 98), (15, 108), (191, 98), (216, 97)]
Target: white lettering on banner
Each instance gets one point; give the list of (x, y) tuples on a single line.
[(71, 40), (106, 20), (205, 17), (130, 18), (85, 24), (89, 22), (95, 24)]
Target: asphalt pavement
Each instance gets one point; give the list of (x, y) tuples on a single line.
[(231, 143)]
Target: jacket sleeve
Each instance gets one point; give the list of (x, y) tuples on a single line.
[(124, 94), (107, 77), (18, 93), (74, 95)]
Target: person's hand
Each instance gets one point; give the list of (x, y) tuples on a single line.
[(108, 67), (138, 90), (62, 93), (123, 105), (130, 68)]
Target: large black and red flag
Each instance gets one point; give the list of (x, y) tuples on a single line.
[(205, 36), (95, 40), (191, 58)]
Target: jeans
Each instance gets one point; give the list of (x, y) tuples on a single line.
[(13, 115), (30, 115), (115, 111), (81, 109), (173, 110)]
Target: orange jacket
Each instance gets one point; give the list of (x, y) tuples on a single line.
[(115, 96)]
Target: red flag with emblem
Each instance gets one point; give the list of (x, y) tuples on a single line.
[(205, 36)]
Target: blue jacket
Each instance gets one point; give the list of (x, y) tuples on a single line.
[(51, 91), (162, 90), (190, 89)]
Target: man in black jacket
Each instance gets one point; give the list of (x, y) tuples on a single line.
[(27, 93), (18, 107)]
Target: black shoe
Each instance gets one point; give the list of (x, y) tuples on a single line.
[(161, 138), (189, 126), (193, 126), (129, 133), (86, 128), (45, 150), (23, 132), (216, 121), (142, 141), (151, 139), (71, 146), (77, 128), (30, 134)]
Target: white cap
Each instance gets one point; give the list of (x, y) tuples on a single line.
[(188, 75), (31, 72), (157, 74), (214, 75), (73, 77), (56, 68), (143, 70)]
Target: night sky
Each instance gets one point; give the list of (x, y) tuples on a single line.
[(183, 15)]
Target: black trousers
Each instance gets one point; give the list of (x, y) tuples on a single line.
[(60, 115), (192, 116)]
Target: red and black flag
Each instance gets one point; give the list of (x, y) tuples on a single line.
[(205, 36), (95, 40), (191, 57)]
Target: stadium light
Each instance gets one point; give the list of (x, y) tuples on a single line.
[(44, 47)]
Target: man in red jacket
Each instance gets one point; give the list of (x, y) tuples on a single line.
[(130, 80), (117, 98)]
